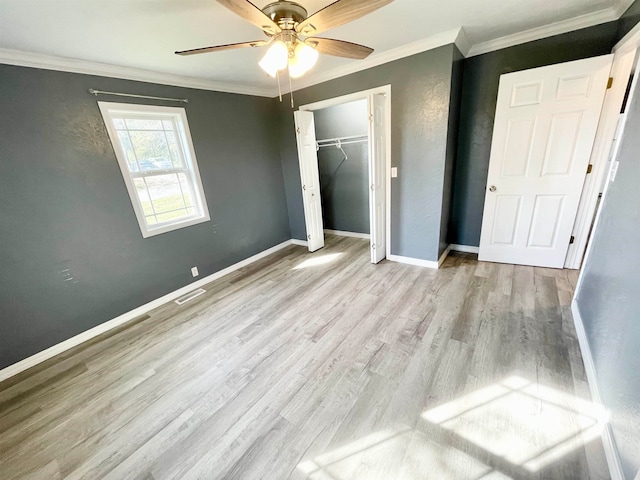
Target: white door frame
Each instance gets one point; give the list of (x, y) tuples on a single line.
[(365, 95), (625, 52)]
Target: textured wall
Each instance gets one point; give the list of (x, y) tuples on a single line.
[(452, 149), (344, 183), (65, 205), (420, 94), (608, 298), (479, 96)]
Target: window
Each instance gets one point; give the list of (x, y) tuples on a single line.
[(156, 156)]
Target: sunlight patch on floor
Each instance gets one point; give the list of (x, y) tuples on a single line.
[(525, 423), (399, 454), (316, 261), (522, 425)]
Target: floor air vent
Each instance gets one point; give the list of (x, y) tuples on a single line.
[(190, 296)]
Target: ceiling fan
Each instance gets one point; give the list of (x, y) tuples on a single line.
[(289, 30)]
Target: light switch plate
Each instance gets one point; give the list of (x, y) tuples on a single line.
[(394, 172)]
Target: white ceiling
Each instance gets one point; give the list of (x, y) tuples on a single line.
[(143, 34)]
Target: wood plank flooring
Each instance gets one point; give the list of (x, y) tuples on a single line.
[(322, 366)]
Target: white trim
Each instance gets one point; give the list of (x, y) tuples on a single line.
[(300, 243), (351, 97), (600, 153), (463, 43), (50, 352), (556, 28), (623, 6), (464, 248), (429, 43), (65, 64), (610, 450), (342, 233), (413, 261), (419, 262), (444, 255), (630, 41)]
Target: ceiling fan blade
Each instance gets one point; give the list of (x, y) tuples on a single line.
[(339, 48), (218, 48), (338, 13), (252, 14)]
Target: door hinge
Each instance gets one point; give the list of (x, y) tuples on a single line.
[(610, 83), (589, 169), (371, 117), (572, 239), (298, 130)]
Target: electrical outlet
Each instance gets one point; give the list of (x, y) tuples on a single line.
[(194, 271)]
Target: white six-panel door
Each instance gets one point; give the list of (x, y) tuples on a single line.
[(545, 126), (308, 157), (377, 177)]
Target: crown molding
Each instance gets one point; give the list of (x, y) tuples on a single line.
[(374, 60), (463, 43), (557, 28), (623, 6), (64, 64), (456, 36)]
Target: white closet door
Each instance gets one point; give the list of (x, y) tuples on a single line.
[(545, 126), (308, 157), (377, 179)]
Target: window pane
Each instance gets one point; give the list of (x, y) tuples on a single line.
[(149, 124), (166, 195), (152, 150), (168, 125), (128, 150), (176, 154), (151, 220), (119, 123), (143, 196), (187, 192)]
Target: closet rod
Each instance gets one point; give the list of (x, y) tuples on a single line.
[(337, 144), (342, 139), (95, 92)]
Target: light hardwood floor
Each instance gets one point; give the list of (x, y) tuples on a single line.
[(322, 366)]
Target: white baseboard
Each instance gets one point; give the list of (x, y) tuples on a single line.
[(419, 262), (413, 261), (610, 450), (300, 243), (464, 248), (59, 348), (341, 233)]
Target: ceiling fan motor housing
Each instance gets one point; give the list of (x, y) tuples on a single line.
[(285, 13)]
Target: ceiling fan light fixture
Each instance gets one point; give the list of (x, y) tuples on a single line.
[(276, 59), (303, 60)]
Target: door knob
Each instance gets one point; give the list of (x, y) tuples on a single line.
[(492, 188)]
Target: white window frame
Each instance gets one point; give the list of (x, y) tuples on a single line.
[(178, 116)]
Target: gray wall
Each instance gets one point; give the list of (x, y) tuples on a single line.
[(609, 300), (420, 101), (479, 96), (65, 205), (452, 148), (344, 183)]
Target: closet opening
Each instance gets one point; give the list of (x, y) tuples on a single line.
[(344, 153)]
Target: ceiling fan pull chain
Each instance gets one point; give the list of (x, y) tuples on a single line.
[(279, 89), (291, 90)]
